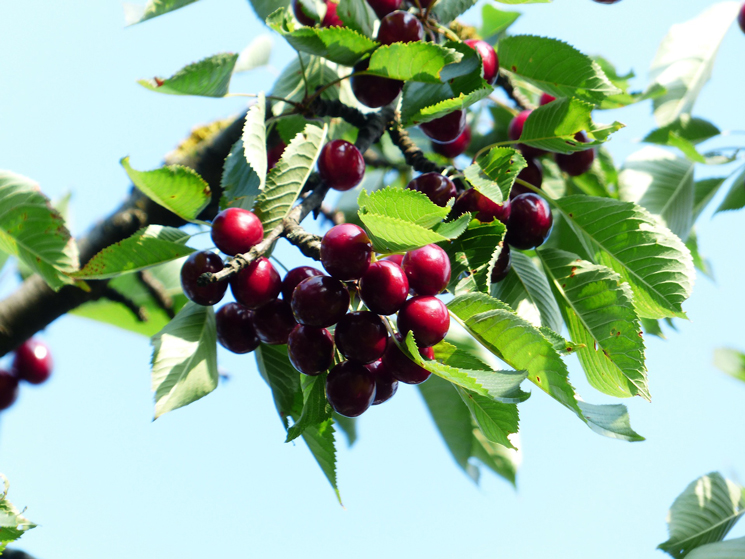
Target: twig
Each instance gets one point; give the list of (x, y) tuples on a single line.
[(158, 292), (335, 217), (412, 154), (512, 92), (113, 295)]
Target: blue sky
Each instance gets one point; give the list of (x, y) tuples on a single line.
[(103, 480)]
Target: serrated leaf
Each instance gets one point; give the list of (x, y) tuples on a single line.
[(704, 513), (494, 173), (255, 55), (178, 189), (348, 426), (264, 8), (731, 362), (357, 15), (495, 21), (685, 59), (12, 523), (337, 44), (555, 67), (653, 91), (495, 419), (562, 346), (148, 247), (210, 77), (184, 362), (730, 549), (627, 239), (735, 198), (419, 62), (287, 178), (291, 86), (403, 203), (598, 310), (134, 13), (34, 231), (240, 183), (473, 253), (499, 459), (321, 442), (316, 408)]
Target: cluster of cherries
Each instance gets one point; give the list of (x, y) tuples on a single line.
[(32, 363)]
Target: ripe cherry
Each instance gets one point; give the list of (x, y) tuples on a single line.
[(235, 231), (295, 276), (384, 287), (235, 328), (395, 258), (546, 99), (274, 322), (446, 128), (197, 264), (458, 146), (516, 130), (503, 264), (374, 91), (577, 163), (361, 336), (532, 174), (400, 27), (257, 284), (311, 350), (530, 222), (741, 18), (346, 251), (481, 207), (438, 188), (320, 301), (427, 317), (32, 362), (274, 154), (385, 383), (489, 59), (331, 19), (301, 15), (8, 389), (350, 388), (341, 165), (607, 1), (427, 269), (403, 368), (384, 7)]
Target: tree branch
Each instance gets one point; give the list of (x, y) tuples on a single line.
[(519, 99), (412, 154)]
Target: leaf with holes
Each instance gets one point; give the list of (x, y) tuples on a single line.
[(209, 77), (494, 173), (134, 13)]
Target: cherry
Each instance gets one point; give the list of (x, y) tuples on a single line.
[(396, 259), (319, 301), (384, 7), (502, 265), (607, 1), (361, 336), (301, 15), (453, 149), (274, 153), (516, 130), (235, 231), (427, 269), (374, 91), (577, 163), (532, 174), (257, 284), (546, 99), (427, 317), (235, 328), (530, 222), (446, 128), (481, 207), (197, 264), (331, 19), (385, 383), (741, 18), (341, 165), (311, 350), (274, 322), (346, 251), (295, 276), (8, 389), (489, 59), (403, 368), (32, 362), (400, 27), (350, 388), (437, 187), (384, 286)]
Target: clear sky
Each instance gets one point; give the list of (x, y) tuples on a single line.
[(215, 479)]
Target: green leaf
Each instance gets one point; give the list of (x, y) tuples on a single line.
[(695, 130), (704, 192), (255, 55), (12, 523), (652, 327), (473, 253), (627, 239), (178, 189), (735, 198), (357, 15), (731, 362), (609, 421), (321, 442), (494, 173), (337, 44), (316, 408), (418, 61), (348, 426), (264, 8), (494, 21), (291, 86), (447, 10), (555, 67), (499, 459), (134, 13), (184, 363), (148, 247), (210, 77), (599, 313), (701, 263), (287, 178), (496, 420), (34, 231), (685, 59), (730, 549), (704, 513), (403, 203)]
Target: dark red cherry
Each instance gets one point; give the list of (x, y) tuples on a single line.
[(295, 276), (274, 154), (453, 149), (546, 99), (607, 1), (197, 264), (502, 265), (346, 251), (8, 389), (235, 231), (374, 91), (385, 383), (301, 15), (384, 287), (446, 128), (274, 322), (489, 59), (577, 163), (361, 336), (341, 165), (311, 350), (532, 174), (400, 27), (257, 284), (320, 301), (530, 222), (235, 328), (331, 19), (350, 388), (516, 130), (437, 187), (403, 368), (741, 18), (427, 269), (395, 258), (427, 317), (32, 362), (481, 207), (384, 7)]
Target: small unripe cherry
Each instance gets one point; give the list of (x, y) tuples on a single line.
[(341, 165), (403, 368), (346, 251), (235, 328), (400, 27), (546, 99), (446, 128), (530, 222), (384, 7), (350, 388), (427, 317), (385, 383), (361, 336), (274, 322), (384, 287), (532, 174), (579, 162), (503, 264), (374, 91), (458, 146), (438, 188), (331, 19), (235, 231), (427, 269), (310, 349), (489, 59), (32, 362), (8, 389), (295, 276), (197, 264), (320, 301), (516, 130), (257, 284)]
